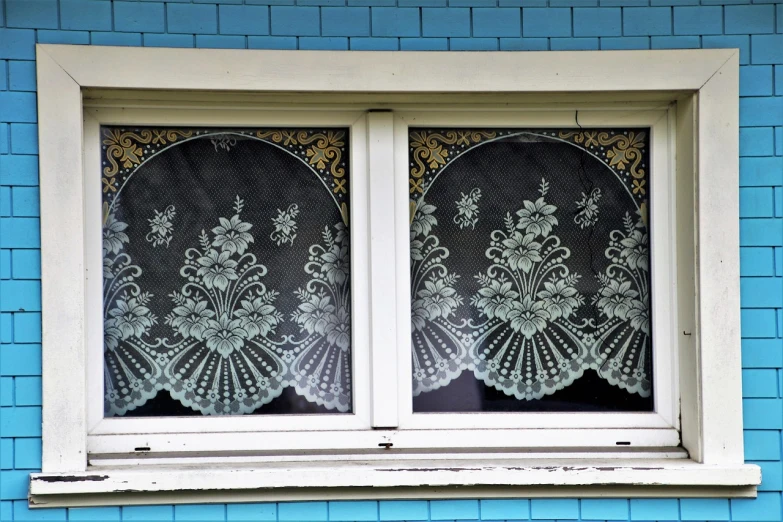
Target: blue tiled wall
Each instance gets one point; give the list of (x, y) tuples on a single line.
[(756, 27)]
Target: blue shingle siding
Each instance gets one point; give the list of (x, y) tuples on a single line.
[(753, 26)]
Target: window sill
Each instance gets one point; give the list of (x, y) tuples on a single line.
[(441, 478)]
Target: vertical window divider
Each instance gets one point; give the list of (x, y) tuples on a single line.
[(384, 268)]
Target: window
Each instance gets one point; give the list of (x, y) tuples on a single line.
[(378, 287)]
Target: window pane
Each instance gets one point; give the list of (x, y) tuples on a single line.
[(530, 270), (226, 271)]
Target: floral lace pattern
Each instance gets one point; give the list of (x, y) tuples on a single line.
[(227, 341), (529, 324)]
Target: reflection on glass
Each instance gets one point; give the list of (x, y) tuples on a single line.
[(530, 270), (226, 271)]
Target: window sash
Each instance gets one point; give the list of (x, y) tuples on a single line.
[(664, 257), (357, 122), (382, 392)]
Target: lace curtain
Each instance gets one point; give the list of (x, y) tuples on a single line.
[(530, 269), (227, 277), (226, 271)]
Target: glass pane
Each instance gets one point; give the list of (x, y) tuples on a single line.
[(226, 271), (530, 270)]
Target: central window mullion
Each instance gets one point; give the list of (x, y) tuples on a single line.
[(383, 261)]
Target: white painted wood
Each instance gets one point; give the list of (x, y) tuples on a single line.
[(383, 291), (663, 261), (62, 268), (387, 72), (687, 331), (642, 454), (718, 266), (551, 86), (375, 440), (380, 475)]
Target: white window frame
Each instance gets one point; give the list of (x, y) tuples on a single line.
[(688, 98)]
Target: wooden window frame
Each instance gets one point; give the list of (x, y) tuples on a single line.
[(694, 448)]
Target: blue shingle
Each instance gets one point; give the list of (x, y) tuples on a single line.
[(647, 21), (199, 512), (559, 508), (771, 476), (750, 19), (4, 134), (244, 19), (296, 21), (345, 21), (20, 296), (760, 383), (27, 391), (604, 509), (757, 261), (271, 42), (761, 292), (26, 328), (85, 15), (675, 42), (496, 22), (450, 21), (17, 44), (116, 39), (139, 17), (505, 509), (6, 454), (546, 22), (5, 203), (660, 509), (767, 48), (26, 264), (19, 359), (18, 107), (64, 37), (5, 255), (762, 414), (302, 511), (20, 233), (36, 14), (251, 512), (704, 509), (196, 18), (424, 44), (19, 169), (24, 138), (220, 41), (574, 44), (147, 513), (454, 510), (762, 445), (353, 511), (757, 202), (698, 20), (169, 40), (20, 422), (94, 514), (373, 44), (473, 44), (765, 171), (323, 43), (25, 201), (391, 21), (627, 43), (403, 510), (21, 75), (14, 485), (602, 21), (27, 453), (22, 512), (766, 507), (757, 141), (758, 323)]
